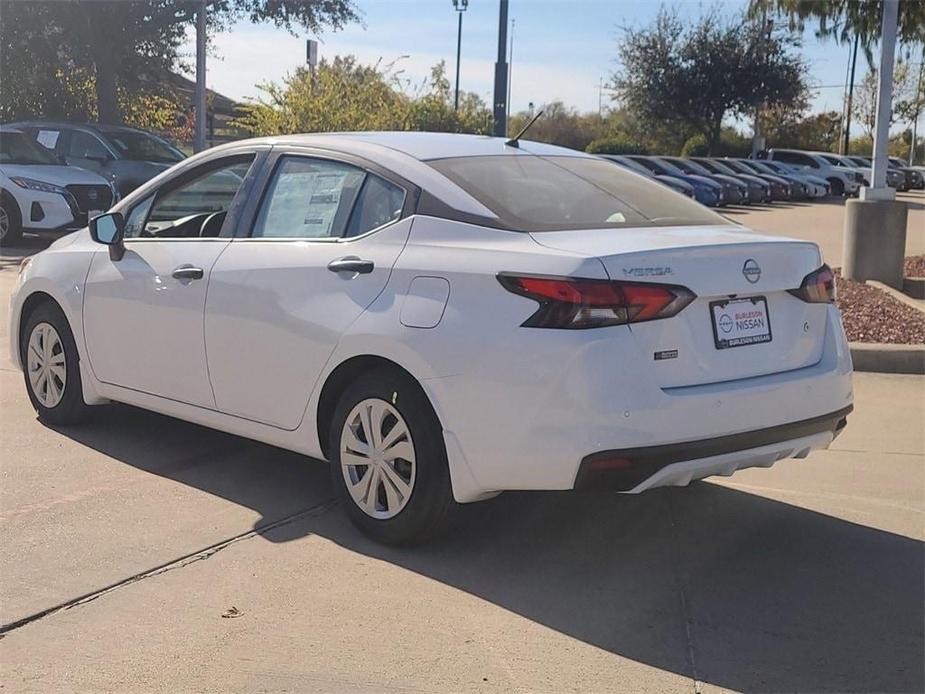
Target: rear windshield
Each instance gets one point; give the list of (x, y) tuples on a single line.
[(532, 193)]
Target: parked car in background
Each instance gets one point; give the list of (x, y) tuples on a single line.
[(914, 178), (842, 180), (706, 190), (795, 188), (126, 156), (755, 189), (910, 177), (894, 178), (442, 318), (818, 187), (40, 194), (675, 184), (735, 192), (780, 190)]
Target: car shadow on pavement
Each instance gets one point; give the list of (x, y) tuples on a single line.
[(712, 583)]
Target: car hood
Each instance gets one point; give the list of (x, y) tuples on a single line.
[(58, 175)]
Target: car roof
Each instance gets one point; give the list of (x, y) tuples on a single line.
[(426, 146)]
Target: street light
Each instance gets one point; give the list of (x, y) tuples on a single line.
[(460, 6)]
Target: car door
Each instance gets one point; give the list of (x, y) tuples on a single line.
[(143, 313), (318, 252)]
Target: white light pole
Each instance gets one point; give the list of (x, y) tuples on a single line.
[(879, 190), (875, 225)]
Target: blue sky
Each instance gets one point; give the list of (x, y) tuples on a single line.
[(562, 48)]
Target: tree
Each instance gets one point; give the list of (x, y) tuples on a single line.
[(906, 97), (843, 19), (795, 129), (344, 95), (697, 75), (118, 40)]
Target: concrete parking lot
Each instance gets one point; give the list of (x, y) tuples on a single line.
[(140, 553)]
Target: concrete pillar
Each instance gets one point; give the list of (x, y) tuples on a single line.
[(875, 241)]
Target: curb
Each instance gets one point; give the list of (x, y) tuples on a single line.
[(902, 298), (914, 287), (889, 359)]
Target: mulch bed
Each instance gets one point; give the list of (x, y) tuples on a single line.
[(871, 315), (915, 266)]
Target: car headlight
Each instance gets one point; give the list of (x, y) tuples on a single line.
[(32, 184)]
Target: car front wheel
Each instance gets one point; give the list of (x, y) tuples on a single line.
[(389, 461), (10, 222), (50, 365)]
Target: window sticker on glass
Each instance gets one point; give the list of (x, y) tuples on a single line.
[(309, 199), (48, 138)]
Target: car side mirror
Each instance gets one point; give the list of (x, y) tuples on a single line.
[(109, 229)]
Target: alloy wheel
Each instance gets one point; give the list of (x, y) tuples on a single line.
[(46, 364), (377, 458)]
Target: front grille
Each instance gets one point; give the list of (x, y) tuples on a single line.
[(91, 197)]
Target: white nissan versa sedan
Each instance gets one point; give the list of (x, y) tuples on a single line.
[(442, 317)]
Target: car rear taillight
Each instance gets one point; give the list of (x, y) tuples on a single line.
[(574, 303), (818, 286)]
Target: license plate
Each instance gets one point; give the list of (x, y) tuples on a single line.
[(740, 322)]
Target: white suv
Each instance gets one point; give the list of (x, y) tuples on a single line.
[(39, 194), (842, 180)]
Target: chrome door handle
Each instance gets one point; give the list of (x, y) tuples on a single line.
[(351, 263), (188, 273)]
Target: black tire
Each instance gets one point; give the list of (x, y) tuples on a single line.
[(838, 187), (430, 506), (71, 408), (13, 223)]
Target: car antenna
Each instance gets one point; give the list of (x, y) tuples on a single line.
[(515, 141)]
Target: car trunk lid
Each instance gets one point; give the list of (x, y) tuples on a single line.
[(735, 273)]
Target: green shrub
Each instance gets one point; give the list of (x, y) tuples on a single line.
[(615, 145), (696, 146)]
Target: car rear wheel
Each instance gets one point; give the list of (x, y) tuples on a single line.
[(389, 461), (10, 222), (50, 366)]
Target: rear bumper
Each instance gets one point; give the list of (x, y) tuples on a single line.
[(528, 417), (677, 464)]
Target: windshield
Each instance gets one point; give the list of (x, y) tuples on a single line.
[(834, 160), (631, 165), (18, 148), (139, 146), (753, 167), (669, 167), (687, 166), (772, 167), (726, 167), (533, 193), (653, 166)]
